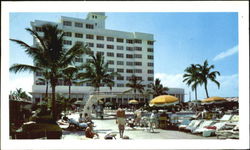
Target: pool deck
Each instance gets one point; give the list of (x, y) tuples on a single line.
[(108, 125)]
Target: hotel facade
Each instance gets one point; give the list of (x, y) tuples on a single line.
[(127, 53)]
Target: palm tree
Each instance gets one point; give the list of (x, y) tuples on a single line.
[(158, 88), (49, 54), (69, 75), (96, 72), (191, 77), (135, 84), (205, 74), (21, 94), (44, 80)]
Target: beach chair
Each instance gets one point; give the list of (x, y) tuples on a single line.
[(235, 118), (227, 130), (193, 126), (184, 124), (225, 117), (202, 126)]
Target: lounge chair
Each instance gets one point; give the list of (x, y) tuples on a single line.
[(184, 124), (235, 118), (227, 130), (225, 117), (194, 125), (202, 126)]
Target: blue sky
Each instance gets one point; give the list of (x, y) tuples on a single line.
[(181, 39)]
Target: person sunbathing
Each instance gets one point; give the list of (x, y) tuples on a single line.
[(89, 133)]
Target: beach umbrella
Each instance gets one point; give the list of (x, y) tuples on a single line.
[(133, 102), (163, 100), (214, 100)]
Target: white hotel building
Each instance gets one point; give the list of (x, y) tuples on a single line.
[(126, 52)]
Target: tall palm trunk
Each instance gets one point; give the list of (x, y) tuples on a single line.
[(206, 90), (53, 86), (46, 92), (65, 103), (135, 94), (195, 91)]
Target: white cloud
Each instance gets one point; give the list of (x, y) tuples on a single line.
[(24, 82), (226, 53), (229, 85)]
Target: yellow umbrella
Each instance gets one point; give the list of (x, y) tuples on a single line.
[(163, 100), (133, 101), (214, 99)]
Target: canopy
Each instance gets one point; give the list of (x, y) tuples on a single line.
[(163, 100), (213, 100), (133, 101)]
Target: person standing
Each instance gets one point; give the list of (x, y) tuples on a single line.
[(138, 117), (121, 120), (152, 121)]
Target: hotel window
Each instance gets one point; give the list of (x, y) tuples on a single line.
[(110, 54), (150, 50), (150, 42), (150, 79), (79, 59), (138, 63), (78, 35), (111, 62), (100, 45), (149, 86), (111, 69), (150, 71), (129, 48), (119, 47), (38, 74), (119, 40), (89, 36), (110, 46), (67, 23), (66, 42), (88, 60), (102, 53), (120, 63), (69, 34), (119, 55), (120, 85), (138, 49), (137, 71), (129, 70), (128, 78), (139, 78), (111, 39), (129, 63), (129, 56), (129, 41), (137, 56), (39, 29), (150, 57), (120, 78), (78, 24), (90, 44), (89, 26), (120, 70), (137, 41), (100, 37), (79, 42), (150, 64)]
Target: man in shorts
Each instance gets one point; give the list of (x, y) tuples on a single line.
[(121, 120)]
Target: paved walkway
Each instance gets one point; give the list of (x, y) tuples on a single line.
[(109, 125)]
